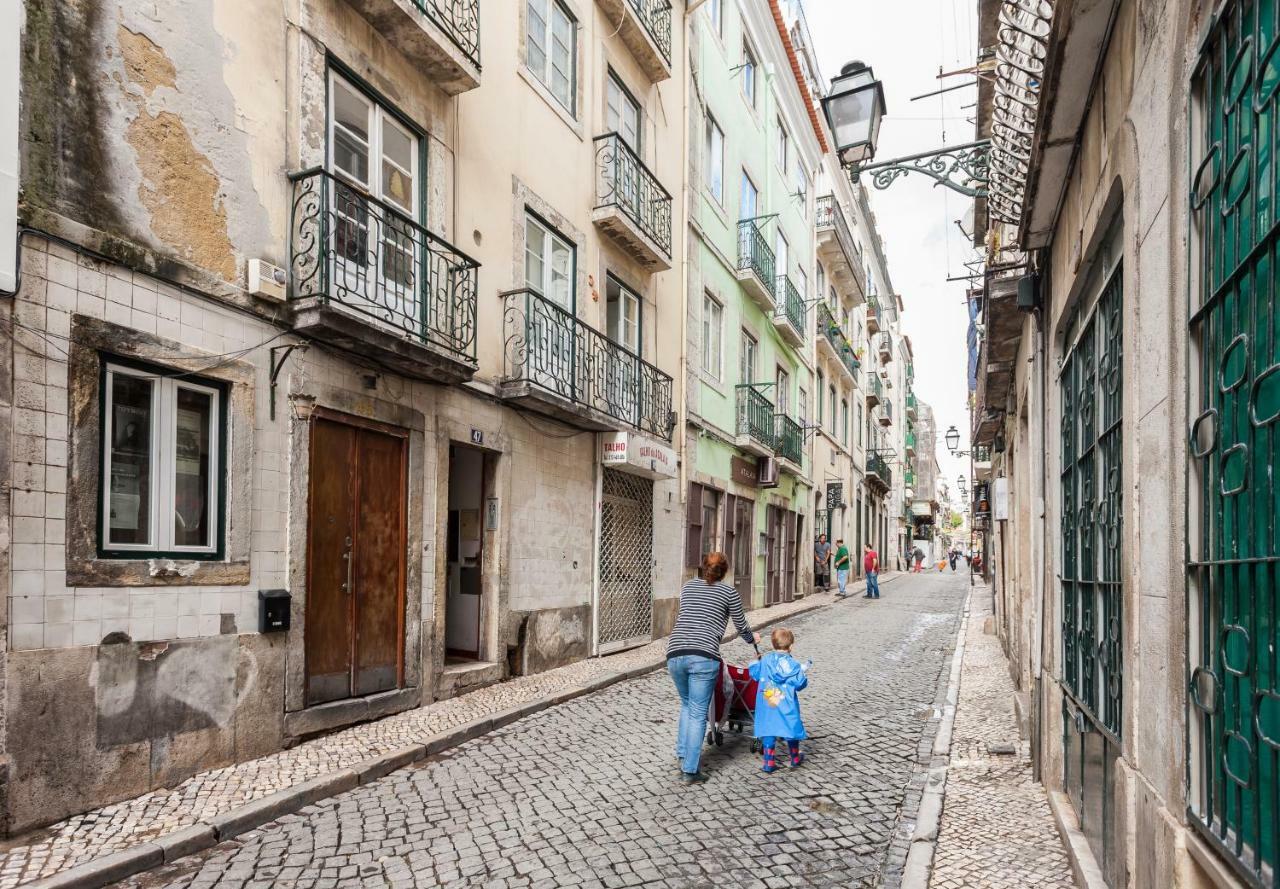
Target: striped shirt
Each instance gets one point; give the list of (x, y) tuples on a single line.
[(705, 610)]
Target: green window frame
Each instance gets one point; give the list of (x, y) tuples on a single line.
[(1233, 405)]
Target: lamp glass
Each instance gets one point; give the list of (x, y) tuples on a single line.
[(953, 439), (854, 108)]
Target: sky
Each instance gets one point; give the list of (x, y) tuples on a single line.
[(905, 42)]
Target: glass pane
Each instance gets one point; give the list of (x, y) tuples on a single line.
[(193, 449), (561, 273), (613, 312), (534, 249), (350, 132), (561, 56), (129, 505), (536, 38), (747, 208), (397, 166)]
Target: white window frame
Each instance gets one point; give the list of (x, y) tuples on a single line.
[(784, 146), (715, 159), (782, 390), (551, 239), (163, 463), (627, 298), (749, 70), (748, 345), (715, 12), (712, 358), (748, 186), (620, 101), (547, 10)]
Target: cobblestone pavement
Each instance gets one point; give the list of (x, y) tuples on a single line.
[(120, 825), (997, 831), (587, 793)]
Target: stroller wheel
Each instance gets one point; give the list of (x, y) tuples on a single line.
[(719, 738), (756, 745)]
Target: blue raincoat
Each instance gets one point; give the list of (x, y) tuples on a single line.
[(780, 677)]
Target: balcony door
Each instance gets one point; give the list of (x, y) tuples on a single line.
[(623, 327), (622, 116), (376, 260), (549, 261)]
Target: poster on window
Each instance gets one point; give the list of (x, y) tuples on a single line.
[(190, 442), (126, 496)]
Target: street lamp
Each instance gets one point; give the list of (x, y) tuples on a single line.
[(854, 108), (953, 440)]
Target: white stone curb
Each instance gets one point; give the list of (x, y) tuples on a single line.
[(918, 869)]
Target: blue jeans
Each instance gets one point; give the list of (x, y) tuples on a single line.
[(842, 579), (695, 678), (873, 584)]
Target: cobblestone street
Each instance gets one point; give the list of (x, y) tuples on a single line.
[(587, 793)]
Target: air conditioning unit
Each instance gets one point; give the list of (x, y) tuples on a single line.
[(266, 280), (767, 472)]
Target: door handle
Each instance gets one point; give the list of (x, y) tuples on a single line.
[(346, 587)]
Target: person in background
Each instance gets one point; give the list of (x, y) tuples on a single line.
[(919, 557), (843, 562), (871, 565), (780, 679), (822, 563), (707, 604)]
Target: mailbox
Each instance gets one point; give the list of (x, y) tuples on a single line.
[(273, 611)]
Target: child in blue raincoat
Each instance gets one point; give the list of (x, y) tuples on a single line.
[(780, 677)]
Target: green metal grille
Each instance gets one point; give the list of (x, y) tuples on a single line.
[(1092, 620), (1233, 570)]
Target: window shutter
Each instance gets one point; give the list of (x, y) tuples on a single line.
[(693, 527)]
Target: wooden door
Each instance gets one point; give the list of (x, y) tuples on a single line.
[(744, 557), (356, 560), (773, 557)]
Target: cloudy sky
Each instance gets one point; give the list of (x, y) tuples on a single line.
[(905, 42)]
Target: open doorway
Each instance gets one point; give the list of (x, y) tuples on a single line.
[(464, 555)]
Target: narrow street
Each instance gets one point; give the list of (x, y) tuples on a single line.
[(586, 793)]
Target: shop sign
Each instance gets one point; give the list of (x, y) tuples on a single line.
[(1000, 499), (638, 454), (835, 495), (744, 471)]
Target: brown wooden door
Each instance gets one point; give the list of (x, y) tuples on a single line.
[(356, 558), (743, 555), (773, 559)]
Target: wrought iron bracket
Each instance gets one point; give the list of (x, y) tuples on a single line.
[(962, 168), (277, 365)]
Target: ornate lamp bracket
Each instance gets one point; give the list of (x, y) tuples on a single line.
[(962, 168)]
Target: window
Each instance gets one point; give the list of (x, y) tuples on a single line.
[(548, 262), (551, 47), (784, 146), (748, 74), (822, 381), (844, 422), (622, 314), (623, 113), (715, 12), (372, 150), (802, 283), (782, 385), (800, 181), (712, 329), (831, 399), (747, 359), (803, 405), (715, 159), (858, 406), (702, 514), (748, 199), (162, 444), (781, 249)]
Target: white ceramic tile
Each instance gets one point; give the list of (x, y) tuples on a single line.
[(25, 636)]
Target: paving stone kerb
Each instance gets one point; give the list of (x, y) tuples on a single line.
[(122, 859), (587, 794)]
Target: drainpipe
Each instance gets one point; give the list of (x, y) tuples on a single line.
[(10, 29), (682, 409)]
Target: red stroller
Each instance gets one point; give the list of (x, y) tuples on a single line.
[(733, 705)]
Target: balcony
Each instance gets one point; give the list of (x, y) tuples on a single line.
[(873, 314), (885, 417), (835, 345), (875, 391), (884, 345), (790, 448), (560, 366), (911, 443), (837, 247), (366, 278), (788, 317), (632, 207), (755, 431), (911, 405), (440, 37), (755, 270), (646, 30), (878, 472)]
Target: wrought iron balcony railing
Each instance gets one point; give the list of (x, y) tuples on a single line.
[(911, 403), (655, 15), (790, 304), (911, 441), (755, 254), (877, 466), (835, 336), (459, 20), (875, 388), (623, 181), (364, 254), (790, 439), (829, 214), (548, 347), (755, 415)]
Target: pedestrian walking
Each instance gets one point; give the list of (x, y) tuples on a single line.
[(780, 679), (919, 557), (871, 565), (822, 563), (952, 557), (843, 561), (707, 604)]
